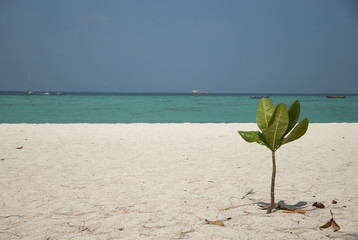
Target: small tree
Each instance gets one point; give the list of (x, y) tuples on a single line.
[(276, 125)]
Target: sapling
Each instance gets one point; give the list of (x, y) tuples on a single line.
[(276, 125)]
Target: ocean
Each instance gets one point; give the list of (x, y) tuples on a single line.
[(163, 108)]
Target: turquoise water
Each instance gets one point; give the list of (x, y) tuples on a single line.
[(162, 108)]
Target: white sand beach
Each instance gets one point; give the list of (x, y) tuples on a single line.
[(161, 181)]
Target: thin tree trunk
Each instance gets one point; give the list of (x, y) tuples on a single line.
[(272, 206)]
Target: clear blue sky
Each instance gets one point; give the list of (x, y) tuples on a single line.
[(222, 46)]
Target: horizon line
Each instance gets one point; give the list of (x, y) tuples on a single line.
[(181, 93)]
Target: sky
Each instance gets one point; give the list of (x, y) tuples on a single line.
[(176, 46)]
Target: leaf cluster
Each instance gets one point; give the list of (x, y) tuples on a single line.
[(277, 125), (331, 223)]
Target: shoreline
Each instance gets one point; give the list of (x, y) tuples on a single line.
[(162, 180)]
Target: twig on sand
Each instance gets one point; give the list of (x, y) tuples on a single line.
[(248, 193)]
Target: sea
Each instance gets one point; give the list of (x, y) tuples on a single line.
[(18, 107)]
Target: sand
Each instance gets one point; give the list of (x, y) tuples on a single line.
[(161, 181)]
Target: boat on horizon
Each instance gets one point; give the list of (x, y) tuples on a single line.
[(329, 96), (258, 97), (199, 92), (53, 93)]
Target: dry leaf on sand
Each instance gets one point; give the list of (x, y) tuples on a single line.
[(282, 207), (335, 226), (318, 205), (332, 223), (286, 208), (302, 211), (267, 206), (219, 222), (327, 225)]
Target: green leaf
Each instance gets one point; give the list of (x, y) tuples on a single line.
[(251, 136), (293, 114), (277, 126), (297, 132), (264, 140), (264, 112)]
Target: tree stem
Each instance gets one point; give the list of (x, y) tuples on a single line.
[(272, 205)]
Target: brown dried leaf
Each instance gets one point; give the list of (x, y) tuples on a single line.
[(318, 205), (286, 208), (302, 211), (327, 225), (335, 225), (281, 207), (267, 206), (332, 223), (19, 147), (218, 223)]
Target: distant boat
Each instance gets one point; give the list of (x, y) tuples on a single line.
[(335, 96), (258, 97), (198, 92), (29, 91), (54, 93)]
